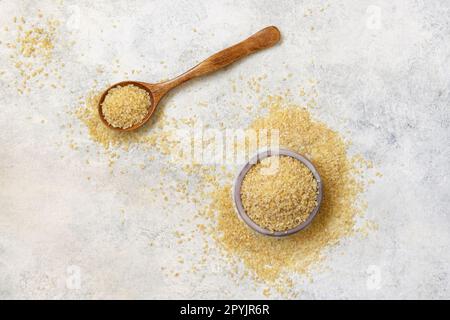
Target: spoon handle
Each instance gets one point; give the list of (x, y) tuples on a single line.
[(263, 39)]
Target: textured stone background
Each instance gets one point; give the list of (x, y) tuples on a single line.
[(383, 75)]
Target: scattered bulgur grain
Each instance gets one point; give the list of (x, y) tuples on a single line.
[(274, 260), (282, 200), (33, 49), (126, 106)]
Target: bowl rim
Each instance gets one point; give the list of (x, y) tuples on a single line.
[(260, 155)]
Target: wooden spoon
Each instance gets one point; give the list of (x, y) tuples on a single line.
[(265, 38)]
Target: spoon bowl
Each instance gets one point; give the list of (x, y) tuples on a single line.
[(142, 85), (263, 39)]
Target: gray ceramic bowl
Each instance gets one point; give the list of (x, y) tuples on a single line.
[(238, 184)]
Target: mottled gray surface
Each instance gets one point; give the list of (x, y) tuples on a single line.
[(384, 81)]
